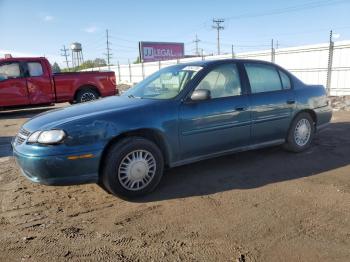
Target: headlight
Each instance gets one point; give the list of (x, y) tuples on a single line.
[(34, 137), (47, 137)]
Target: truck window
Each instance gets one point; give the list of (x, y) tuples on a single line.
[(9, 70), (35, 69)]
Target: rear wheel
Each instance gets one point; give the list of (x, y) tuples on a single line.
[(300, 133), (133, 167), (86, 94)]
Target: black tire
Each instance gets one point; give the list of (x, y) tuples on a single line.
[(86, 95), (110, 175), (292, 144)]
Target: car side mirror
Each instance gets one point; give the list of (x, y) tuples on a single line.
[(200, 95)]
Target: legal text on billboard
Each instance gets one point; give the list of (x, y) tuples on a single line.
[(154, 51)]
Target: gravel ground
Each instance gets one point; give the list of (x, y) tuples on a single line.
[(264, 205)]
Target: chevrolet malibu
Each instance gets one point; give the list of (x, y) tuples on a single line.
[(180, 114)]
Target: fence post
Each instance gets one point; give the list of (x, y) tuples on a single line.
[(177, 61), (119, 75), (130, 78), (202, 54), (143, 70), (233, 53), (330, 63)]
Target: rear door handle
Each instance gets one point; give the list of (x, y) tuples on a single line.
[(290, 102)]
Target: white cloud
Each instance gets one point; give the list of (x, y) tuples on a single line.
[(91, 29), (48, 18)]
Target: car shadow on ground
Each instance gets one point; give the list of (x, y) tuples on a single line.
[(252, 169), (5, 146)]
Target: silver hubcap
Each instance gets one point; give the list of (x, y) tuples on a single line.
[(302, 132), (88, 97), (137, 170)]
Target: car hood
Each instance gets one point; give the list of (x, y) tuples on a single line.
[(55, 118)]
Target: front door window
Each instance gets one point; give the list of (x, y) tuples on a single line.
[(223, 81)]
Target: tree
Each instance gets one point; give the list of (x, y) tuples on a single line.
[(99, 62), (56, 68), (137, 61)]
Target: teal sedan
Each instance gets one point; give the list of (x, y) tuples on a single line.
[(180, 114)]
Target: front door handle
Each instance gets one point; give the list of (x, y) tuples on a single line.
[(290, 102), (241, 108)]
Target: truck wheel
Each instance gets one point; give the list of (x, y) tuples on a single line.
[(133, 167), (86, 94), (301, 133)]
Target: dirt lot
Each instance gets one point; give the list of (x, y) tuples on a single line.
[(265, 205)]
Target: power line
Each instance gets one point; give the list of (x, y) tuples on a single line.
[(217, 25), (295, 8), (65, 54), (227, 44)]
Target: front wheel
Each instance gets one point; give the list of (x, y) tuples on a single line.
[(132, 167), (301, 133)]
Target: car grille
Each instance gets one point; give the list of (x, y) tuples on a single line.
[(22, 136)]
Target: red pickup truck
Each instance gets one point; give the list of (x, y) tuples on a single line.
[(30, 81)]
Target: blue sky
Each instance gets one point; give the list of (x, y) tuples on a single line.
[(39, 27)]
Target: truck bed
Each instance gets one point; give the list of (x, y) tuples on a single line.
[(68, 83)]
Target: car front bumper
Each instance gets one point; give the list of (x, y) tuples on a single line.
[(60, 169)]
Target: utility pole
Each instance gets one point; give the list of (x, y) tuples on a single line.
[(65, 54), (196, 41), (232, 51), (272, 52), (217, 25), (108, 54), (330, 62)]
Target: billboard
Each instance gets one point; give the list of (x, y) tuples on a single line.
[(156, 51)]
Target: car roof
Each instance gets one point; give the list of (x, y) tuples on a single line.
[(221, 61), (14, 59)]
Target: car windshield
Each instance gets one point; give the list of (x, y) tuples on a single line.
[(164, 84)]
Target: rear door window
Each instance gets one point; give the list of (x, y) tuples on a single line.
[(263, 78), (10, 70), (35, 69), (285, 80)]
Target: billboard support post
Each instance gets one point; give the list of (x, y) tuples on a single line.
[(143, 70), (159, 65)]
